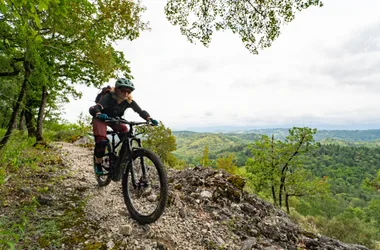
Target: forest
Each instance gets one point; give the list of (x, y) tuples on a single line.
[(347, 162)]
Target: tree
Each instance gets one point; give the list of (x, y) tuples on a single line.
[(205, 160), (160, 140), (277, 165), (227, 163), (67, 42), (302, 183), (373, 211), (257, 22)]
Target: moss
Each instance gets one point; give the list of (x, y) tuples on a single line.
[(178, 186), (237, 181), (95, 246)]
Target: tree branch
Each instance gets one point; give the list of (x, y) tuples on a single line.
[(257, 11)]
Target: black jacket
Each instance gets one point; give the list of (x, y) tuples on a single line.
[(108, 105)]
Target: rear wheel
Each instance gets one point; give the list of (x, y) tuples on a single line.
[(146, 197), (105, 178)]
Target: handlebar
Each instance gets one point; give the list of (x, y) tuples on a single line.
[(117, 120)]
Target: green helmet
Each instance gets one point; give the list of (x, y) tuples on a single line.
[(123, 82)]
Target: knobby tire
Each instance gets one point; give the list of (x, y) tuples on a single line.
[(163, 191)]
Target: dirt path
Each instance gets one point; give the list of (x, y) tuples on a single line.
[(207, 209), (105, 208)]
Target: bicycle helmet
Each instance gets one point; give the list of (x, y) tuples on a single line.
[(126, 83)]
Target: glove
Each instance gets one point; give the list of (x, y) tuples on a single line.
[(154, 122), (102, 117)]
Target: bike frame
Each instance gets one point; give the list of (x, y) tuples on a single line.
[(125, 157)]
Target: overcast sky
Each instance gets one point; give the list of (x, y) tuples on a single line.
[(322, 72)]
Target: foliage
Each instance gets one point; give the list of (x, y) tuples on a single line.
[(62, 43), (11, 231), (227, 163), (160, 140), (349, 227), (19, 161), (347, 168), (191, 145), (344, 137), (205, 160), (277, 166), (24, 223), (69, 132), (256, 22), (373, 211)]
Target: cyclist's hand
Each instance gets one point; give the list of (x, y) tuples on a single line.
[(154, 122), (102, 117)]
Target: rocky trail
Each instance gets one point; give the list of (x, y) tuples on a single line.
[(207, 209)]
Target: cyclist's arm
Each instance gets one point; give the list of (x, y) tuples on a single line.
[(143, 114)]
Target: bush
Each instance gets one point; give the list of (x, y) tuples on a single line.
[(349, 229)]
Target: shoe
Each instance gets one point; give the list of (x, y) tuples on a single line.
[(98, 169)]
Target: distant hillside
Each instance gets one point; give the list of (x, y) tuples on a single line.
[(346, 135), (190, 145)]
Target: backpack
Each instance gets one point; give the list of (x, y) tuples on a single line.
[(104, 91)]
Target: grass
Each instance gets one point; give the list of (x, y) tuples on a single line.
[(26, 173)]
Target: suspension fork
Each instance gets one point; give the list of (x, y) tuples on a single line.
[(143, 178)]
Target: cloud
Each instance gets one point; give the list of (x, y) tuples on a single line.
[(365, 41), (324, 68), (353, 61)]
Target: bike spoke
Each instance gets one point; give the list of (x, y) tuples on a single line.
[(145, 194)]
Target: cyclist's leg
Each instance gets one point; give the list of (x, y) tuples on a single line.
[(100, 132), (121, 128)]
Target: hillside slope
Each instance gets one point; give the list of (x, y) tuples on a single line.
[(207, 209)]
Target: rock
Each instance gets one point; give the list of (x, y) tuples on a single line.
[(161, 246), (206, 194), (219, 240), (110, 244), (45, 199), (125, 230), (248, 244), (83, 141), (26, 190), (182, 212)]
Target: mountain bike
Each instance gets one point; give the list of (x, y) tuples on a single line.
[(144, 180)]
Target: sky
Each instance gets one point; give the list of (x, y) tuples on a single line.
[(322, 72)]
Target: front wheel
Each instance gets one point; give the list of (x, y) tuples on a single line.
[(145, 195)]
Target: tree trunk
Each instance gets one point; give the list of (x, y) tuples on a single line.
[(5, 113), (29, 119), (282, 187), (274, 195), (16, 109), (41, 113), (21, 123), (273, 165), (287, 203)]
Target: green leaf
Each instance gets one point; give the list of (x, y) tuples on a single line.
[(6, 43), (39, 39), (3, 7), (37, 20), (42, 6), (11, 245)]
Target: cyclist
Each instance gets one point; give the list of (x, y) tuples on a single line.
[(113, 104)]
